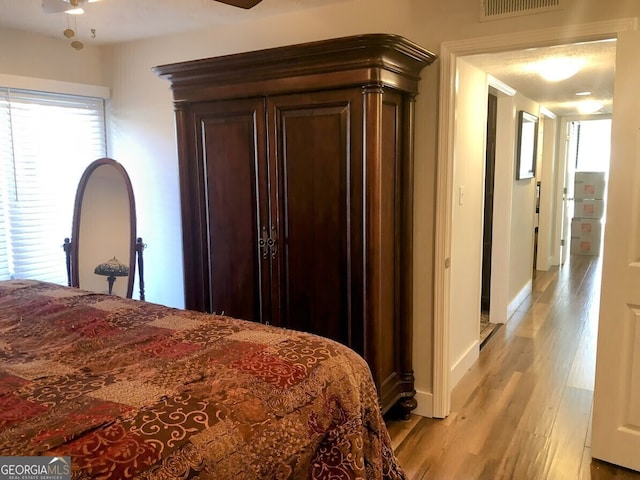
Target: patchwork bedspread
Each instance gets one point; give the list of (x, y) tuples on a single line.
[(130, 389)]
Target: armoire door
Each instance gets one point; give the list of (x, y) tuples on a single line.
[(315, 151), (233, 228)]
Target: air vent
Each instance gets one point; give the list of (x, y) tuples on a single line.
[(496, 9)]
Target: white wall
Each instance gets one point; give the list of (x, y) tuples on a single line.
[(503, 206), (548, 169), (522, 222), (36, 56), (514, 215), (142, 138), (467, 217)]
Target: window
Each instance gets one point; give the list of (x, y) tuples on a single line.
[(46, 142), (594, 145)]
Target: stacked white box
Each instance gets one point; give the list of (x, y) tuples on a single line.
[(586, 235), (588, 208), (589, 185), (586, 226)]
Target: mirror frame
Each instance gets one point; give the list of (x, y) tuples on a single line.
[(527, 145), (77, 216)]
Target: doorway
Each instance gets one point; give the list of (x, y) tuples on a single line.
[(486, 327), (587, 171), (444, 292)]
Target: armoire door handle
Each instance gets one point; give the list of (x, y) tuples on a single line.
[(273, 246), (263, 243), (273, 242)]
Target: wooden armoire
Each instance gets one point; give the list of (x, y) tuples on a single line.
[(296, 184)]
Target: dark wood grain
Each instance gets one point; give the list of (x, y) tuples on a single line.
[(353, 61), (228, 147), (319, 215), (523, 411)]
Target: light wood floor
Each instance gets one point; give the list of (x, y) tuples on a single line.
[(523, 411)]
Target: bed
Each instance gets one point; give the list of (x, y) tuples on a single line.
[(129, 389)]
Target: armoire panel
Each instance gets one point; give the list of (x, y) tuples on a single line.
[(390, 211), (235, 210), (314, 147)]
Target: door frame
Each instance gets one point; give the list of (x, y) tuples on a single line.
[(449, 54)]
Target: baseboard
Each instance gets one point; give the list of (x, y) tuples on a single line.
[(464, 364), (519, 298), (425, 404)]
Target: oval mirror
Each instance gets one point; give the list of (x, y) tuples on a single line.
[(103, 246)]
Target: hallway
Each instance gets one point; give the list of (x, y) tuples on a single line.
[(523, 410)]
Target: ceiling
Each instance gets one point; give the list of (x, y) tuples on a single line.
[(126, 20), (514, 68)]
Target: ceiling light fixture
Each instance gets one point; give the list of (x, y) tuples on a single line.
[(587, 107), (583, 94), (555, 69)]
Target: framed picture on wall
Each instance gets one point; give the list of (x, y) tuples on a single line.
[(527, 143)]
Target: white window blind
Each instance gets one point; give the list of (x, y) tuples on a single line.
[(46, 142)]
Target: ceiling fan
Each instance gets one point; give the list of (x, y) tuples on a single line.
[(75, 6), (241, 3)]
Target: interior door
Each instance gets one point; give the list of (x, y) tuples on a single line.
[(569, 178), (616, 414), (489, 180)]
